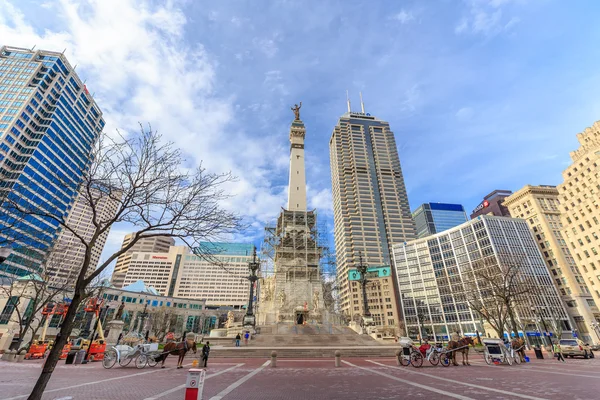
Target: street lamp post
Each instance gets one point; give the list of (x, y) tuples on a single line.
[(362, 268), (253, 266), (143, 316), (534, 310), (596, 328)]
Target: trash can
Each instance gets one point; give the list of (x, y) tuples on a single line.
[(70, 357), (80, 356), (538, 353)]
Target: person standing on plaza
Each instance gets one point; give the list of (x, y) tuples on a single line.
[(246, 337), (237, 340), (205, 353), (558, 352)]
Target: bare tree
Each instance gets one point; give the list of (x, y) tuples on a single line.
[(495, 287), (156, 194), (159, 322), (30, 296)]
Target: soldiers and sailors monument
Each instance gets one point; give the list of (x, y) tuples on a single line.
[(294, 293)]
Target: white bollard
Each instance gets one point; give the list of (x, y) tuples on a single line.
[(338, 356), (194, 384), (398, 355), (273, 359)]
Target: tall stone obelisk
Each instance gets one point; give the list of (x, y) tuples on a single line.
[(295, 292), (297, 188)]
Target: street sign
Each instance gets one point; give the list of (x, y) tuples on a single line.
[(372, 272)]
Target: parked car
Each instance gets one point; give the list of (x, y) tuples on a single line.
[(575, 348), (595, 347)]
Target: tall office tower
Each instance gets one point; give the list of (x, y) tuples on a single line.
[(539, 205), (370, 205), (156, 244), (492, 204), (220, 278), (48, 126), (431, 218), (579, 195), (69, 246), (436, 275)]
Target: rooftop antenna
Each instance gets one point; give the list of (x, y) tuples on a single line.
[(348, 101), (63, 53), (362, 105), (33, 47)]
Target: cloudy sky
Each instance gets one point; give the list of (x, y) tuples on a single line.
[(481, 94)]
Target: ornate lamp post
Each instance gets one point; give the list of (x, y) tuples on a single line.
[(253, 266), (596, 328), (362, 268), (534, 310), (143, 315)]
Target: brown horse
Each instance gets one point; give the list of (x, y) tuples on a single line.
[(518, 346), (462, 346), (178, 349)]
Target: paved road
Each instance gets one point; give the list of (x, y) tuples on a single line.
[(250, 379)]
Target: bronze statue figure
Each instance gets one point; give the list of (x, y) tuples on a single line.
[(119, 314), (296, 110)]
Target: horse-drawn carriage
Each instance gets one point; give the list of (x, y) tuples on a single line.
[(143, 354), (497, 352)]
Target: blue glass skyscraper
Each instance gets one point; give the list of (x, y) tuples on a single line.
[(48, 126), (431, 218)]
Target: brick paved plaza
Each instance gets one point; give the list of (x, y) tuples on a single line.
[(370, 378)]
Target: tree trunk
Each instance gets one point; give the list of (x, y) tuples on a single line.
[(513, 323), (55, 352)]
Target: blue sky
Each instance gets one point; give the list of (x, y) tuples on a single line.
[(481, 94)]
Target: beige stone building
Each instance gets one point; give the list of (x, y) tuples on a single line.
[(380, 297), (70, 248), (540, 207), (370, 204), (579, 195), (157, 244), (219, 279)]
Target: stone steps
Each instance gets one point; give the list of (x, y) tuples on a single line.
[(308, 352)]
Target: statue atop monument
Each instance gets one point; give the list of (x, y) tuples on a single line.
[(296, 110)]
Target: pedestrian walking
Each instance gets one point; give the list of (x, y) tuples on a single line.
[(237, 340), (558, 352), (205, 353), (246, 337)]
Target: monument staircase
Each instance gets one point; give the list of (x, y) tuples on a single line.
[(304, 341)]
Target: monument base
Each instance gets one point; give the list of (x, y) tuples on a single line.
[(115, 328)]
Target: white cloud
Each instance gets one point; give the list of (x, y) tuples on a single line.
[(464, 114), (403, 16), (135, 59), (267, 46), (485, 17)]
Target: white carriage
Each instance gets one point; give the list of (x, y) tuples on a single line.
[(124, 354), (496, 351)]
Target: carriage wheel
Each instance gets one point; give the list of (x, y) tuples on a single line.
[(444, 360), (124, 361), (435, 358), (416, 359), (140, 361), (404, 361), (517, 358), (110, 359), (488, 358), (508, 358), (152, 361)]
